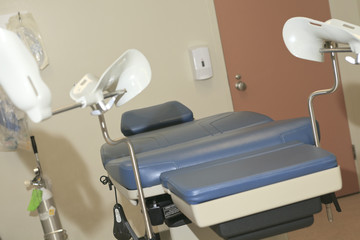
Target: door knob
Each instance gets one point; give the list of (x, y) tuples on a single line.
[(240, 85)]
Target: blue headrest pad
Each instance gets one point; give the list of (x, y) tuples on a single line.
[(248, 171), (155, 117)]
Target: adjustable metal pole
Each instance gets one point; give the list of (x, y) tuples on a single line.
[(148, 229), (324, 91), (80, 105), (48, 214), (334, 62)]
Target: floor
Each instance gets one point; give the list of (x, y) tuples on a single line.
[(346, 225)]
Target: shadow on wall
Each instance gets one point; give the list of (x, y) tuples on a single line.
[(352, 91), (74, 194)]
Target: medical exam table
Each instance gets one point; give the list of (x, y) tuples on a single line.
[(242, 174), (225, 171)]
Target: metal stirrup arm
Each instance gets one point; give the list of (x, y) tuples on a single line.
[(334, 62), (148, 229)]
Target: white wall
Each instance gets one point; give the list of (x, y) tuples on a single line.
[(86, 36), (349, 11)]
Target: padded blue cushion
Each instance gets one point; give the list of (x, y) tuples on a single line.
[(161, 138), (248, 171), (154, 117), (153, 163)]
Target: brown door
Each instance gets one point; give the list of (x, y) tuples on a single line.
[(278, 84)]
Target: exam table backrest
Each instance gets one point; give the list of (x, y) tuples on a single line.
[(166, 131)]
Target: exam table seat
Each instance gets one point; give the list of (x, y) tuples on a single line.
[(226, 170)]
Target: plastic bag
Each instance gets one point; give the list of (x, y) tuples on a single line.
[(14, 131), (26, 28)]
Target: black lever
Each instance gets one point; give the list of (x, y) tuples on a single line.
[(122, 229), (327, 200), (331, 198)]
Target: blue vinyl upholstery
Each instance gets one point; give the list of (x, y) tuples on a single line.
[(197, 142), (189, 131), (155, 117), (235, 174)]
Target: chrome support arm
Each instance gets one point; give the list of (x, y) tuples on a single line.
[(116, 95), (334, 62), (65, 109), (335, 50), (148, 229)]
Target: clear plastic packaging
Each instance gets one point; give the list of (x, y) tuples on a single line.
[(26, 28), (14, 131)]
